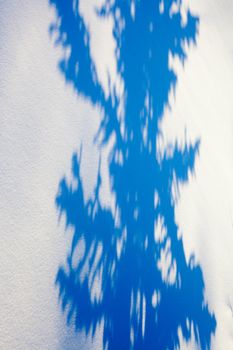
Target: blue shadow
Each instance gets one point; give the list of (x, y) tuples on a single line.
[(140, 304)]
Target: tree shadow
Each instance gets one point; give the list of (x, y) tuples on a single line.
[(127, 269)]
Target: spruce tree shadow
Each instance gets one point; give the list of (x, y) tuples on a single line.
[(127, 269)]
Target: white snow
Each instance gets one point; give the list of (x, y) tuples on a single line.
[(43, 123)]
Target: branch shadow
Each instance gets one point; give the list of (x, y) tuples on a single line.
[(127, 269)]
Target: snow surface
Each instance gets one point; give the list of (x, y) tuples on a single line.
[(43, 122)]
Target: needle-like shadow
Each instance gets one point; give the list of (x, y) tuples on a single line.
[(127, 269)]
